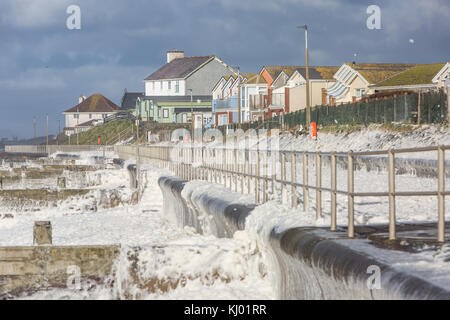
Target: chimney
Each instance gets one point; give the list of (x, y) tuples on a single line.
[(174, 54), (81, 99)]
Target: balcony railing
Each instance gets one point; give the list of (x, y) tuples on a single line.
[(229, 103), (258, 102)]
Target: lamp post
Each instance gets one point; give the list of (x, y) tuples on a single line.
[(308, 102)]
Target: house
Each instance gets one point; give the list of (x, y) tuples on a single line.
[(170, 89), (87, 113), (288, 90), (354, 80), (174, 109), (422, 77), (254, 97), (128, 101), (225, 100), (284, 89)]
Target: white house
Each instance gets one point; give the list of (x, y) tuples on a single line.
[(88, 112)]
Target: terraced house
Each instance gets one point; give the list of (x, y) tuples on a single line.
[(422, 77), (225, 103), (282, 89), (354, 80), (181, 83)]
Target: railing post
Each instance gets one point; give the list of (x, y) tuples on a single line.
[(391, 175), (274, 170), (305, 182), (249, 169), (242, 169), (333, 192), (257, 173), (441, 195), (265, 191), (235, 164), (294, 179), (283, 175), (351, 197), (224, 165), (318, 185)]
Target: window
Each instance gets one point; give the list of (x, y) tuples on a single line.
[(165, 113), (90, 115), (76, 116), (104, 115), (160, 85), (174, 117), (169, 85), (153, 86), (360, 92), (159, 113), (177, 86)]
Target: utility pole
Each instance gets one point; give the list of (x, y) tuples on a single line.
[(59, 132), (78, 122), (308, 101), (47, 130), (34, 125)]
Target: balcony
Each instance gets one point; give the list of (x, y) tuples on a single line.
[(226, 104), (278, 100), (258, 102)]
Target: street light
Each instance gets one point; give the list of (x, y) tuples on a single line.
[(308, 106)]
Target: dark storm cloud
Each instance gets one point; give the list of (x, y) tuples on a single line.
[(44, 66)]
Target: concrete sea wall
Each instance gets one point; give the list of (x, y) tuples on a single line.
[(312, 263), (26, 269)]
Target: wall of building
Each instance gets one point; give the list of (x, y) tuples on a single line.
[(203, 81), (297, 95), (165, 90), (71, 121)]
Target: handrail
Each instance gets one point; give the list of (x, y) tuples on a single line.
[(225, 164)]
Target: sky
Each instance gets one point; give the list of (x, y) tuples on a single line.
[(45, 66)]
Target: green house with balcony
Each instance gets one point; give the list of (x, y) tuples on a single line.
[(173, 109)]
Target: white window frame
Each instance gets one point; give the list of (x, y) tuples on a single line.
[(177, 86), (160, 113), (165, 113)]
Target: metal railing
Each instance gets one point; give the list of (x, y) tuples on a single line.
[(235, 166), (44, 149)]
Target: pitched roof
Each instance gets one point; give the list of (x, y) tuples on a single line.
[(274, 71), (318, 73), (129, 100), (376, 72), (95, 103), (420, 74), (256, 79), (179, 68)]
